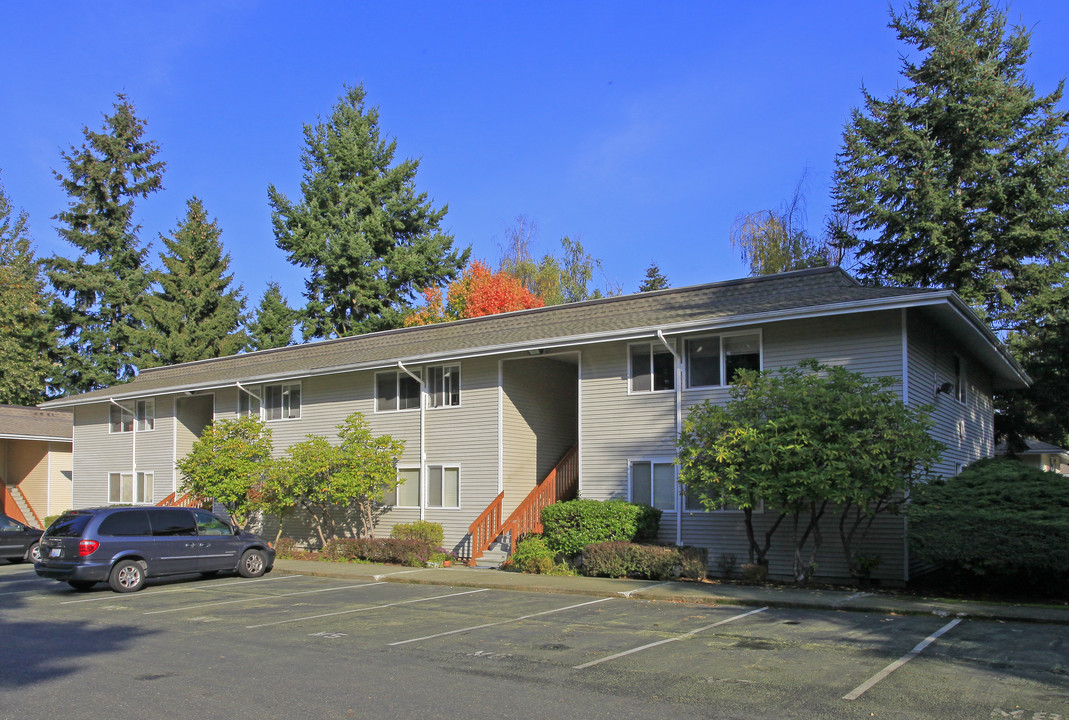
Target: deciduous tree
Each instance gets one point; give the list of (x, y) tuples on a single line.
[(556, 279), (479, 291), (368, 238)]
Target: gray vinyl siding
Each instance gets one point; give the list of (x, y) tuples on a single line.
[(539, 418), (97, 453)]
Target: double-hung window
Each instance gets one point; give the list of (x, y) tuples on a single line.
[(960, 392), (248, 404), (146, 415), (713, 360), (129, 488), (654, 483), (652, 368), (142, 417), (122, 420), (396, 391), (443, 486), (444, 384), (282, 402)]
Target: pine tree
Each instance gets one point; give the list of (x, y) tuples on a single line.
[(369, 240), (103, 290), (27, 341), (274, 321), (960, 179), (195, 314), (655, 279)]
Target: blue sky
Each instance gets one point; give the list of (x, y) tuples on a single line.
[(642, 128)]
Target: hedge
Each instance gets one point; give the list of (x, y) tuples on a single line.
[(415, 553), (570, 526), (654, 562)]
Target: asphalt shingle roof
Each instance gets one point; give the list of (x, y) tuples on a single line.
[(32, 422), (527, 328)]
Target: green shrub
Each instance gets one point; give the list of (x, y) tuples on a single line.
[(285, 547), (654, 562), (570, 526), (531, 556), (998, 520), (430, 533), (395, 551)]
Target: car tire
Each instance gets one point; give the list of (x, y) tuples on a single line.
[(252, 564), (127, 576), (81, 585), (34, 553)]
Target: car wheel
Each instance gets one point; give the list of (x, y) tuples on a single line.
[(252, 564), (127, 576), (34, 553), (81, 585)]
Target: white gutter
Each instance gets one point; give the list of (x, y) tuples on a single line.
[(678, 370), (422, 439)]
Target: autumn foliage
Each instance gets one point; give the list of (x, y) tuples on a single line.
[(479, 291)]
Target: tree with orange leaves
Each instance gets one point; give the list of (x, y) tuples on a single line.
[(479, 291)]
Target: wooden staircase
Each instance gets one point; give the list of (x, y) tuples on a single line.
[(562, 483), (187, 500), (18, 506)]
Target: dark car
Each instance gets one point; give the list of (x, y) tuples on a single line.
[(18, 542), (125, 545)]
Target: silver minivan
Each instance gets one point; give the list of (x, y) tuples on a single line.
[(125, 545)]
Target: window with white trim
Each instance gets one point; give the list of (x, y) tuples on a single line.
[(282, 402), (406, 494), (396, 391), (444, 382), (960, 380), (443, 486), (654, 483), (248, 404), (652, 367), (713, 358), (122, 488), (146, 415), (122, 420)]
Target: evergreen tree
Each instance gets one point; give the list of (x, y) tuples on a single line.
[(655, 279), (103, 290), (273, 324), (196, 314), (369, 240), (27, 341), (960, 179)]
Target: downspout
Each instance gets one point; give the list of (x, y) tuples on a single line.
[(905, 399), (422, 438), (133, 444), (679, 425), (251, 394)]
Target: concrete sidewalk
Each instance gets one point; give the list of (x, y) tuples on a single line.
[(707, 593)]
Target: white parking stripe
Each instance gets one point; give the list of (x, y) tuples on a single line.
[(860, 689), (187, 588), (198, 606), (663, 642), (369, 607), (500, 622)]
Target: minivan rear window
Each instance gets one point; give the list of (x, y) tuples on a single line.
[(68, 525), (125, 523)]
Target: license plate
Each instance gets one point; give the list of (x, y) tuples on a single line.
[(54, 552)]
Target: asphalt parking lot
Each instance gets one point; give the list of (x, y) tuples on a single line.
[(307, 647)]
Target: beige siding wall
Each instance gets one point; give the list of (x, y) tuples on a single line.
[(60, 473), (540, 422)]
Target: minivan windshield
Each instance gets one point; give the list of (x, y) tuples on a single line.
[(68, 525)]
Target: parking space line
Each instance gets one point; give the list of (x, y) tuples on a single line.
[(402, 572), (198, 606), (630, 593), (189, 588), (663, 642), (863, 687), (500, 622), (369, 607)]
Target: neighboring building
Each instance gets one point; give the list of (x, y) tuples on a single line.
[(489, 405), (35, 463), (1040, 455)]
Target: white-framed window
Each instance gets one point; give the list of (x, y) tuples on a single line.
[(248, 404), (653, 482), (406, 494), (444, 382), (960, 380), (396, 391), (651, 367), (282, 402), (146, 415), (122, 420), (129, 488), (713, 360), (443, 486)]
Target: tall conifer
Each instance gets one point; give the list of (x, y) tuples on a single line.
[(102, 291), (274, 321)]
